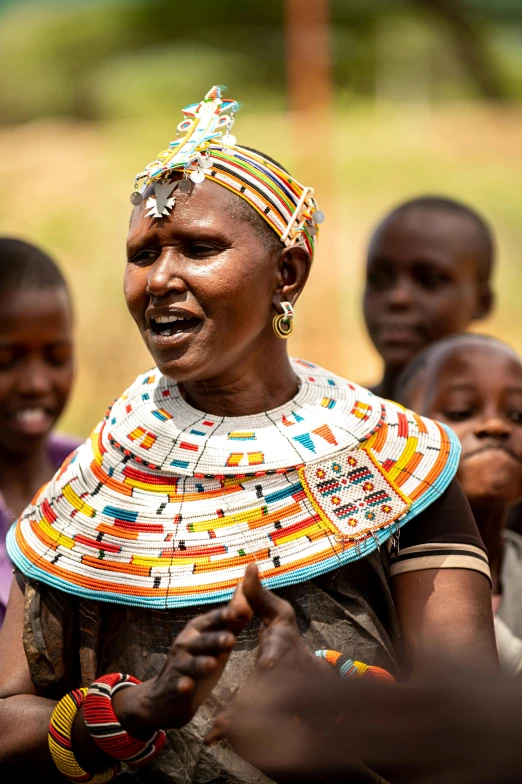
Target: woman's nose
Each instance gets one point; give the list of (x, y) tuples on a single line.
[(166, 275)]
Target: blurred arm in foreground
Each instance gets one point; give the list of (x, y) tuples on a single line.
[(452, 731)]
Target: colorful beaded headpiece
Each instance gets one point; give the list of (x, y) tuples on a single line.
[(202, 149)]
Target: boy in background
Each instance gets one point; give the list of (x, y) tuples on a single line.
[(473, 383), (36, 375), (428, 275)]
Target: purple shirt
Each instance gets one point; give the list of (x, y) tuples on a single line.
[(59, 447)]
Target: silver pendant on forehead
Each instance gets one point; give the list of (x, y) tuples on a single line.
[(162, 191)]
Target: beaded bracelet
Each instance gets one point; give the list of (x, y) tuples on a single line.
[(60, 743), (107, 731), (348, 668)]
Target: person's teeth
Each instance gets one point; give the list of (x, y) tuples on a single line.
[(30, 414), (168, 319)]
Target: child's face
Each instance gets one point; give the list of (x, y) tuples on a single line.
[(421, 282), (476, 388), (36, 365)]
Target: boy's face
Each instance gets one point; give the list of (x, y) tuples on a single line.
[(476, 388), (422, 282), (36, 365)]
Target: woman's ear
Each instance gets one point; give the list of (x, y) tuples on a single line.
[(293, 269)]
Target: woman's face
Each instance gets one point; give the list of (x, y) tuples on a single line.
[(200, 284)]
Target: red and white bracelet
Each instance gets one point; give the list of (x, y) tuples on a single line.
[(107, 731)]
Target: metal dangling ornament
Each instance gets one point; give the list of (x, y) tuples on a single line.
[(136, 198), (228, 139), (185, 185), (283, 323), (197, 176), (205, 161)]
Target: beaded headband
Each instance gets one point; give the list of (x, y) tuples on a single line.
[(202, 150)]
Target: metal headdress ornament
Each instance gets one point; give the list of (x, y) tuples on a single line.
[(205, 148)]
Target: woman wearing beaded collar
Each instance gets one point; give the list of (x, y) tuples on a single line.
[(227, 454)]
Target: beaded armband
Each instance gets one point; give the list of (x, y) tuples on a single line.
[(60, 743), (350, 669), (107, 731)]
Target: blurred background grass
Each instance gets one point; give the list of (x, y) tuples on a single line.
[(426, 98)]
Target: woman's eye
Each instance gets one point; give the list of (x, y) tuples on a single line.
[(458, 414), (515, 416), (200, 250), (143, 257)]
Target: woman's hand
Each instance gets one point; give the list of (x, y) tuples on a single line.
[(282, 655), (262, 723), (279, 638), (194, 665)]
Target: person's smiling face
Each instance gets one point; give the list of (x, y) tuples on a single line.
[(476, 388), (200, 284), (36, 365)]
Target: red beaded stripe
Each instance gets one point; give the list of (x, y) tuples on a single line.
[(107, 731)]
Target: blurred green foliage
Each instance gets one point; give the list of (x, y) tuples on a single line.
[(120, 58)]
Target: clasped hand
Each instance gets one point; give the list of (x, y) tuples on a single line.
[(200, 653)]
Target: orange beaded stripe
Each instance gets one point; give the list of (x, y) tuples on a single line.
[(300, 490)]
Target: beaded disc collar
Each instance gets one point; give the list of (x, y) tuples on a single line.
[(165, 505)]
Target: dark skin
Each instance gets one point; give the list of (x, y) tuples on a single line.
[(36, 375), (476, 388), (424, 280), (460, 731), (193, 666), (205, 264), (285, 721)]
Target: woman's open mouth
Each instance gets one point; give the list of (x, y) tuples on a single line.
[(172, 327)]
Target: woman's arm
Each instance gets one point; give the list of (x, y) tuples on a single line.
[(24, 717), (444, 610), (197, 658), (446, 622)]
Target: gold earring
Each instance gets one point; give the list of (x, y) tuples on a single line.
[(283, 323)]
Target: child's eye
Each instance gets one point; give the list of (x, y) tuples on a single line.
[(59, 356), (431, 279), (458, 414), (8, 359), (515, 416), (380, 279)]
